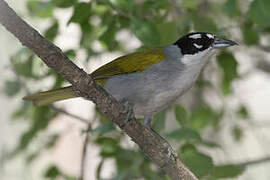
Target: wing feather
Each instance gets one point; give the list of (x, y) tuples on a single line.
[(131, 63)]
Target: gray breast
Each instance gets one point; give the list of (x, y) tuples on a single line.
[(153, 90)]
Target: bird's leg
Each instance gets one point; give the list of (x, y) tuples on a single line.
[(127, 108), (147, 123)]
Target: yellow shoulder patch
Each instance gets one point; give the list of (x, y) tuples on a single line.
[(134, 62)]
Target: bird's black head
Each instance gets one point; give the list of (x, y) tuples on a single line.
[(196, 42)]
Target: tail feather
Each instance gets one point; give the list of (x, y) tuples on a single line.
[(48, 97)]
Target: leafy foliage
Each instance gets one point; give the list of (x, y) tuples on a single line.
[(229, 65), (153, 23), (259, 12), (12, 88), (228, 171), (198, 163), (54, 172)]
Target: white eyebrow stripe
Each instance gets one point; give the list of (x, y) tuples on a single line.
[(195, 36), (197, 46), (210, 36)]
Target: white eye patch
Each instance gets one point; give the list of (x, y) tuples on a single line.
[(195, 36), (198, 46), (210, 36)]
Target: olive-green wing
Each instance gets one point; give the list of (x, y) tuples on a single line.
[(131, 63)]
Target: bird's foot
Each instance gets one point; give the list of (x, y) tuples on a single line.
[(147, 123), (168, 147), (170, 152), (126, 108)]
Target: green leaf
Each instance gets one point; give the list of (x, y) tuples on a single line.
[(181, 115), (131, 158), (123, 5), (58, 80), (41, 118), (201, 83), (33, 156), (12, 88), (71, 54), (81, 13), (51, 141), (52, 172), (231, 8), (108, 146), (229, 66), (63, 3), (40, 8), (204, 24), (22, 62), (171, 32), (108, 37), (102, 129), (259, 12), (159, 121), (228, 171), (243, 112), (190, 4), (86, 40), (185, 134), (237, 133), (198, 163), (52, 31), (24, 111), (202, 117), (250, 34), (155, 6), (210, 144), (145, 31)]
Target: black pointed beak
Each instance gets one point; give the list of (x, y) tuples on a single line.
[(222, 43)]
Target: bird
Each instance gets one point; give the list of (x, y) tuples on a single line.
[(152, 79)]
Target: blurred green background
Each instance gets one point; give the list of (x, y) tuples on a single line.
[(220, 128)]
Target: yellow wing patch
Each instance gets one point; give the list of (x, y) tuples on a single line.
[(131, 63)]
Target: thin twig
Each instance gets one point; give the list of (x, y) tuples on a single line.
[(84, 151), (255, 162), (81, 119)]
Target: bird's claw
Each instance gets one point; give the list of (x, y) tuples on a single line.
[(171, 152), (167, 146)]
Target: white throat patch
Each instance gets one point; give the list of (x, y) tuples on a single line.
[(199, 58)]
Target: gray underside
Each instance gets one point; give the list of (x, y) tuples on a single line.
[(153, 90)]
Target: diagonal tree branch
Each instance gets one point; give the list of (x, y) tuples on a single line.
[(155, 148)]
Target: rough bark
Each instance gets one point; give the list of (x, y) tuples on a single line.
[(52, 55)]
